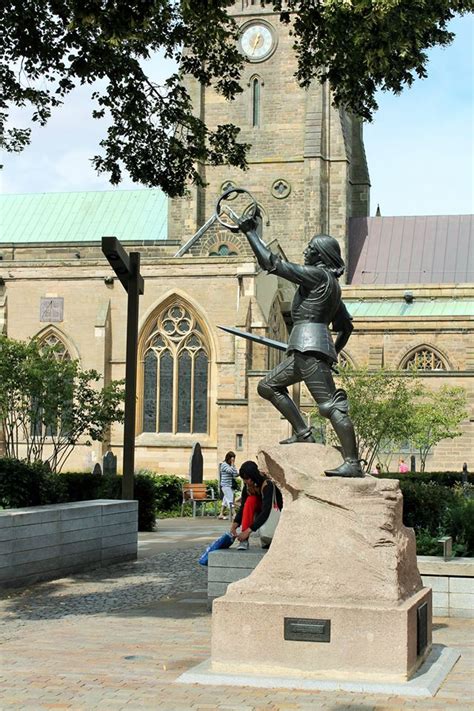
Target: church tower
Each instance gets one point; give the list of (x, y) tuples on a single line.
[(307, 166)]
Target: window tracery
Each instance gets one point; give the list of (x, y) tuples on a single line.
[(176, 374), (344, 361), (424, 359), (223, 251), (52, 342)]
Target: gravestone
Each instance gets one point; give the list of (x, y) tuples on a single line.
[(97, 469), (196, 465), (109, 463)]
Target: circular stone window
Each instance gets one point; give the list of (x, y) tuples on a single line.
[(281, 189), (227, 185)]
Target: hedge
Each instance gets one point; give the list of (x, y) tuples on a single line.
[(435, 504), (24, 484)]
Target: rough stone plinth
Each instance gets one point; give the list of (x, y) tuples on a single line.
[(340, 552)]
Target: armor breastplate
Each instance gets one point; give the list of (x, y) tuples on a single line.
[(310, 336), (312, 310)]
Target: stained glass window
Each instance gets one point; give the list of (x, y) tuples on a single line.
[(201, 369), (166, 392), (175, 374), (49, 343), (149, 392), (184, 392)]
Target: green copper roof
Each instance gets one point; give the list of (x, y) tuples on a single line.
[(140, 215), (418, 308)]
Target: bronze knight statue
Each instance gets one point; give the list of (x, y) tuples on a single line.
[(317, 304)]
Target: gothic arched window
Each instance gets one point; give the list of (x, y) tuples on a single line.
[(49, 343), (344, 361), (223, 251), (175, 374), (277, 331), (424, 359)]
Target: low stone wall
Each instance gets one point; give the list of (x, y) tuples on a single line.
[(47, 542), (452, 581)]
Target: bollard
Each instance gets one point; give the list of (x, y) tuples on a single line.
[(447, 543)]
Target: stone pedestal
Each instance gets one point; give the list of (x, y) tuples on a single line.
[(339, 594)]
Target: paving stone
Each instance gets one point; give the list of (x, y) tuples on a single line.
[(119, 637)]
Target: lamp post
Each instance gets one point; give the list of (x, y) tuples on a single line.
[(127, 268)]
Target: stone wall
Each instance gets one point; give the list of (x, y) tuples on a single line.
[(47, 542)]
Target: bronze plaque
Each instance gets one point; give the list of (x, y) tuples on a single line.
[(298, 629)]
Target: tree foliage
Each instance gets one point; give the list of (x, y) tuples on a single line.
[(50, 47), (47, 405), (436, 416), (380, 407), (390, 410), (361, 46)]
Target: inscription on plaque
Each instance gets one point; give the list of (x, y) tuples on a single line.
[(51, 309), (298, 629), (421, 628)]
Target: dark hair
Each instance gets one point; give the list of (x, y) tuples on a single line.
[(249, 470), (229, 456)]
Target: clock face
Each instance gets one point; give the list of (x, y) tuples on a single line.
[(256, 42)]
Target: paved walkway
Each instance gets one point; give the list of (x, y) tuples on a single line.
[(118, 638)]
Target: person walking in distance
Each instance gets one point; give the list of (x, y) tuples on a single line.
[(227, 475)]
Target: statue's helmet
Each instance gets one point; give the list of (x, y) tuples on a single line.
[(330, 252)]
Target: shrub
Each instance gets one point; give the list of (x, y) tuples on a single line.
[(168, 490), (426, 544), (425, 505), (82, 486), (23, 484), (460, 524), (445, 478)]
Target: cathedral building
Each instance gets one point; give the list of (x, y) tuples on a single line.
[(409, 282)]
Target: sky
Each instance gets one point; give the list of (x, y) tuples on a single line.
[(420, 146)]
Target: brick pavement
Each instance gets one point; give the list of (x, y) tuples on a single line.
[(119, 638)]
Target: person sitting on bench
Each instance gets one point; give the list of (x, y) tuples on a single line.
[(256, 504)]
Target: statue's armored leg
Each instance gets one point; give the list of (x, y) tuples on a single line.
[(334, 406), (274, 389), (337, 410)]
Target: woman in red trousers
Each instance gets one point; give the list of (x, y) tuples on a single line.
[(256, 505)]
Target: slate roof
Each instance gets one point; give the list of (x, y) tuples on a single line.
[(130, 215), (429, 249)]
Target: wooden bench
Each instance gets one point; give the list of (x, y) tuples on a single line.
[(198, 494)]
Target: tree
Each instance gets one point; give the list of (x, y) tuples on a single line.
[(49, 47), (436, 416), (380, 405), (48, 404)]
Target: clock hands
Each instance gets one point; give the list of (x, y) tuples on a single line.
[(255, 44)]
